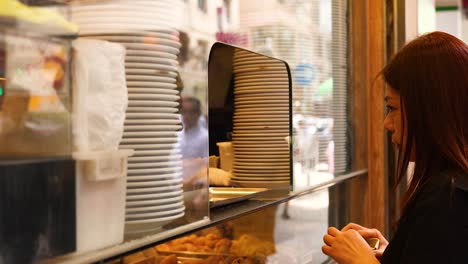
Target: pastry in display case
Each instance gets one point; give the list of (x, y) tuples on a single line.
[(212, 245)]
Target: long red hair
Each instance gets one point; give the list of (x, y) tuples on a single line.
[(431, 75)]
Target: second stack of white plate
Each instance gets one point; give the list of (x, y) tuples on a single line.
[(261, 121), (154, 182)]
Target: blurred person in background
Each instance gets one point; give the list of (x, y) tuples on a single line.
[(427, 103), (194, 136)]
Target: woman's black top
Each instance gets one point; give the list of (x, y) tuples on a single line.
[(434, 228)]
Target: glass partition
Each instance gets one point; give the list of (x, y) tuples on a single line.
[(265, 236), (249, 119)]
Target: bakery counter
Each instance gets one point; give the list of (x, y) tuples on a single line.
[(275, 226)]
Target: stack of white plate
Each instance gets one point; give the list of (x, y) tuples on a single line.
[(261, 121), (154, 183), (118, 15)]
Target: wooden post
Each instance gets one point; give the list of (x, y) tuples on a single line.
[(376, 205), (367, 58)]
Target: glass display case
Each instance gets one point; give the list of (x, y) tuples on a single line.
[(199, 146), (266, 235)]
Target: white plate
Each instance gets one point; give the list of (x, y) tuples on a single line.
[(150, 53), (258, 118), (153, 181), (141, 84), (261, 106), (150, 78), (259, 79), (251, 64), (130, 141), (143, 59), (152, 134), (152, 115), (273, 174), (151, 72), (253, 148), (278, 90), (139, 229), (255, 151), (144, 122), (260, 126), (140, 65), (259, 76), (150, 90), (239, 109), (256, 58), (148, 225), (177, 198), (153, 190), (154, 171), (153, 128), (260, 178), (284, 101), (281, 111), (256, 135), (117, 5), (155, 208), (243, 97), (141, 39), (153, 215), (166, 33), (258, 144), (91, 28), (139, 96), (151, 47), (264, 163), (239, 123), (155, 158), (263, 92), (143, 153), (155, 195), (124, 21), (279, 134), (154, 165), (152, 103), (261, 85), (121, 23), (259, 68), (79, 15), (150, 188), (163, 207), (253, 158), (266, 114), (152, 110)]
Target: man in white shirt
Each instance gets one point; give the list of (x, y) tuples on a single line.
[(194, 137)]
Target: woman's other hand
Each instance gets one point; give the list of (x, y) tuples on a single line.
[(347, 247), (367, 233)]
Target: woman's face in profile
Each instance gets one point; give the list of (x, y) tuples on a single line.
[(392, 121)]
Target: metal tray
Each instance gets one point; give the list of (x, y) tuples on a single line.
[(220, 196)]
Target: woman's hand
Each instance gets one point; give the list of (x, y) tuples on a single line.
[(347, 247), (367, 233)]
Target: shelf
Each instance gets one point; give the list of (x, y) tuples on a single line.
[(217, 215)]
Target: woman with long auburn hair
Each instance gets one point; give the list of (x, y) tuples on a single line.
[(427, 103)]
